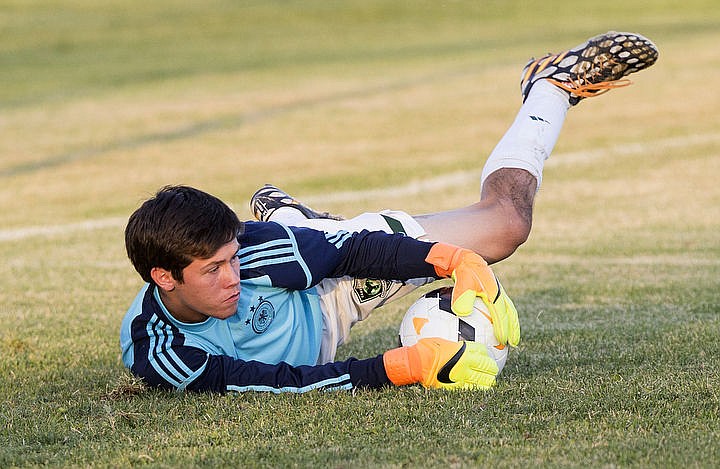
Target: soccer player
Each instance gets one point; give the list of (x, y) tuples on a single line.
[(262, 306)]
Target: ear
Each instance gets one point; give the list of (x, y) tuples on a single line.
[(163, 278)]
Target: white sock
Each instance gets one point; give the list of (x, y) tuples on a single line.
[(531, 137), (288, 216)]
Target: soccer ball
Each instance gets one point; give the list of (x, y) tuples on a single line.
[(431, 316)]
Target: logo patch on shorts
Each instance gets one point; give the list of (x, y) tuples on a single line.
[(368, 289), (262, 316)]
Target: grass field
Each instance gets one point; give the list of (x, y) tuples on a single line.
[(353, 106)]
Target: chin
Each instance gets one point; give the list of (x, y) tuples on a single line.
[(224, 314)]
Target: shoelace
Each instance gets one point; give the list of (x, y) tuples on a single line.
[(583, 87)]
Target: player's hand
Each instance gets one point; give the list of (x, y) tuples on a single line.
[(474, 278), (440, 363), (504, 315)]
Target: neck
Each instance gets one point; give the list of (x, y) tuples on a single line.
[(178, 310)]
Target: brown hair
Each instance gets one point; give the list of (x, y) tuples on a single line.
[(176, 226)]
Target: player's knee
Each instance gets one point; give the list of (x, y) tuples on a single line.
[(518, 230), (510, 193), (510, 234)]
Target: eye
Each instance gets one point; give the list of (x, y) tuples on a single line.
[(214, 269)]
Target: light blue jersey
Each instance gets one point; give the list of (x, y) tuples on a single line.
[(271, 325), (273, 341)]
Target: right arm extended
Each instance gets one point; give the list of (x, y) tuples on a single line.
[(434, 363)]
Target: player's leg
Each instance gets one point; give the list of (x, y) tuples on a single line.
[(271, 203), (501, 220), (495, 225)]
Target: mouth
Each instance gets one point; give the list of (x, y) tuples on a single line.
[(233, 298)]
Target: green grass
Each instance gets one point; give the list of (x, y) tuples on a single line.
[(617, 288)]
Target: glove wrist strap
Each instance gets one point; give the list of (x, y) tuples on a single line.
[(402, 365), (444, 257)]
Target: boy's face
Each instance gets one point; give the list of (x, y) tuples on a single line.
[(211, 287)]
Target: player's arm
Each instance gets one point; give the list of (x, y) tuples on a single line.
[(302, 257), (380, 255), (299, 258), (434, 363), (194, 369), (397, 257)]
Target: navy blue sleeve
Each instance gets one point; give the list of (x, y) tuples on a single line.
[(298, 258), (225, 374), (385, 256), (204, 372)]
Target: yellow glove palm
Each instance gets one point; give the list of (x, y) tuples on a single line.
[(440, 363)]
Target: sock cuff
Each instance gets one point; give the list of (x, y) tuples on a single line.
[(515, 163)]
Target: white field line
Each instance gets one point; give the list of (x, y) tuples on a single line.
[(49, 231), (455, 179), (435, 184)]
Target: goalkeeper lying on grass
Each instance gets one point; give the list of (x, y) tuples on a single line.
[(263, 305)]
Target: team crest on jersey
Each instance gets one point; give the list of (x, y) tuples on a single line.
[(262, 315), (368, 289)]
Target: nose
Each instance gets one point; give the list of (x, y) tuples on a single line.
[(231, 275)]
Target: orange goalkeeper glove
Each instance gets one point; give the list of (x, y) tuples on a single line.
[(474, 278), (440, 363)]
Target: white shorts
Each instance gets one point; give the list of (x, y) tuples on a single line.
[(345, 301)]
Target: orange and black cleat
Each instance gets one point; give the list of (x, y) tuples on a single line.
[(594, 67)]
